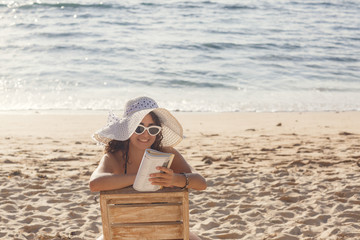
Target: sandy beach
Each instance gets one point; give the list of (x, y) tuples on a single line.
[(285, 176)]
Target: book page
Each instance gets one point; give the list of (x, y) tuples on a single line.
[(150, 161)]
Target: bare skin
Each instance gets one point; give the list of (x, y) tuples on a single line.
[(110, 175)]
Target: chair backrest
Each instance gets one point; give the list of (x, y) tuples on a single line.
[(129, 214)]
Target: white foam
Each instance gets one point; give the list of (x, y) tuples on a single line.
[(193, 100)]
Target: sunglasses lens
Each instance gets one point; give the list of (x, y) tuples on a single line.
[(154, 130), (140, 129)]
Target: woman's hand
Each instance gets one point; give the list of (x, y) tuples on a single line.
[(165, 178)]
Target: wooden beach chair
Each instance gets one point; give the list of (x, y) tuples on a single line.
[(129, 214)]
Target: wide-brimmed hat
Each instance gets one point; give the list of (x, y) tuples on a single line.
[(135, 110)]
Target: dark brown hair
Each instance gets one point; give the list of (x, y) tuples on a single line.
[(114, 145)]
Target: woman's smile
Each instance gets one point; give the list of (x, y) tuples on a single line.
[(144, 140)]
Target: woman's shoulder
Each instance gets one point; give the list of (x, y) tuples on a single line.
[(112, 163), (112, 157)]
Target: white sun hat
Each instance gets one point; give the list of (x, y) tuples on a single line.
[(135, 110)]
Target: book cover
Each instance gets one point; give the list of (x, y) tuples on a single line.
[(151, 159)]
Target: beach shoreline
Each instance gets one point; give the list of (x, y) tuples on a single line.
[(283, 175)]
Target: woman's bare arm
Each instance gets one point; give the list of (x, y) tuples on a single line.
[(104, 178)]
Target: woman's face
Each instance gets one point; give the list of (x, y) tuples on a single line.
[(145, 140)]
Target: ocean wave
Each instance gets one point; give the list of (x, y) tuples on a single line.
[(187, 100), (272, 57), (232, 45), (150, 4), (201, 46), (218, 46), (323, 4), (36, 5), (238, 7), (29, 26), (72, 34), (190, 84), (121, 23), (342, 89), (179, 5), (342, 59)]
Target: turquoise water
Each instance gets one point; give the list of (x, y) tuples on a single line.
[(188, 55)]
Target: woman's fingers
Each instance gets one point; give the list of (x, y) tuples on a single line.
[(163, 178), (161, 181), (166, 170)]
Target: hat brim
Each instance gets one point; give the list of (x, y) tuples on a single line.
[(122, 130)]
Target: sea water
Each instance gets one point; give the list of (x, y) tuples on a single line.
[(210, 55)]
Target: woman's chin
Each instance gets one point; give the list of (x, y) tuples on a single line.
[(143, 144)]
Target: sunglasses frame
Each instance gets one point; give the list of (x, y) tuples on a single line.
[(148, 129)]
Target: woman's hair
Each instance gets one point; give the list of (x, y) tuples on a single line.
[(114, 145)]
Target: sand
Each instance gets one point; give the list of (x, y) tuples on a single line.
[(270, 175)]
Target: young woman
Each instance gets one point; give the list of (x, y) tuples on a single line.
[(144, 125)]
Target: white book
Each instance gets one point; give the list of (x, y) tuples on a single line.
[(151, 159)]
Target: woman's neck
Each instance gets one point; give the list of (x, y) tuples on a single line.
[(135, 155)]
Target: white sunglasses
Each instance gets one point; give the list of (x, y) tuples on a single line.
[(152, 130)]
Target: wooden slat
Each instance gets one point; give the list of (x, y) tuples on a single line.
[(116, 199), (148, 231), (145, 213), (185, 215), (131, 190), (134, 207), (105, 218)]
